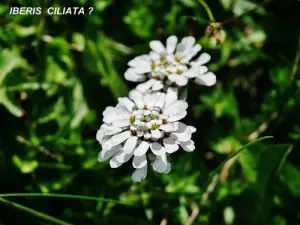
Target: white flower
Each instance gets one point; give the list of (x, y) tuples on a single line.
[(172, 65), (145, 128)]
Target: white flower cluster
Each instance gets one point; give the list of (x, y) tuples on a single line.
[(172, 65), (146, 126)]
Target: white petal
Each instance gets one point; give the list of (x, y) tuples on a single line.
[(121, 123), (202, 70), (122, 111), (142, 149), (192, 52), (149, 100), (139, 161), (175, 108), (188, 41), (169, 127), (106, 154), (171, 96), (143, 69), (160, 100), (183, 133), (192, 129), (130, 144), (180, 50), (131, 75), (170, 145), (207, 79), (158, 85), (157, 149), (160, 164), (154, 56), (114, 163), (137, 60), (203, 58), (139, 174), (109, 114), (127, 103), (156, 134), (122, 157), (168, 170), (119, 138), (192, 72), (145, 86), (171, 44), (188, 146), (106, 130), (178, 116), (137, 97), (157, 46), (178, 79)]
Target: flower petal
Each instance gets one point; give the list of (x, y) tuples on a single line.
[(122, 157), (119, 138), (131, 75), (137, 97), (157, 46), (122, 112), (157, 149), (139, 174), (142, 149), (121, 123), (170, 145), (156, 134), (143, 87), (203, 58), (171, 96), (114, 163), (171, 44), (188, 146), (106, 130), (207, 79), (108, 153), (139, 161), (130, 144), (168, 170), (175, 108), (158, 85), (160, 164), (169, 127), (127, 103), (179, 80), (193, 51)]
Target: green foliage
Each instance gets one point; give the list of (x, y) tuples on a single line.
[(58, 73)]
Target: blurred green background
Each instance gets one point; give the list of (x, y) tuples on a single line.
[(58, 73)]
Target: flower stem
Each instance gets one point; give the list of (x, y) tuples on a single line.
[(207, 9), (33, 212), (66, 196)]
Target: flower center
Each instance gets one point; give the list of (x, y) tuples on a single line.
[(144, 121)]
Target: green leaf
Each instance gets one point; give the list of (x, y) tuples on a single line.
[(290, 176), (136, 20), (80, 108), (9, 60), (25, 166), (8, 100), (226, 145), (270, 162)]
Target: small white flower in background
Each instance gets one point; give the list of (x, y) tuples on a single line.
[(173, 65), (145, 128)]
